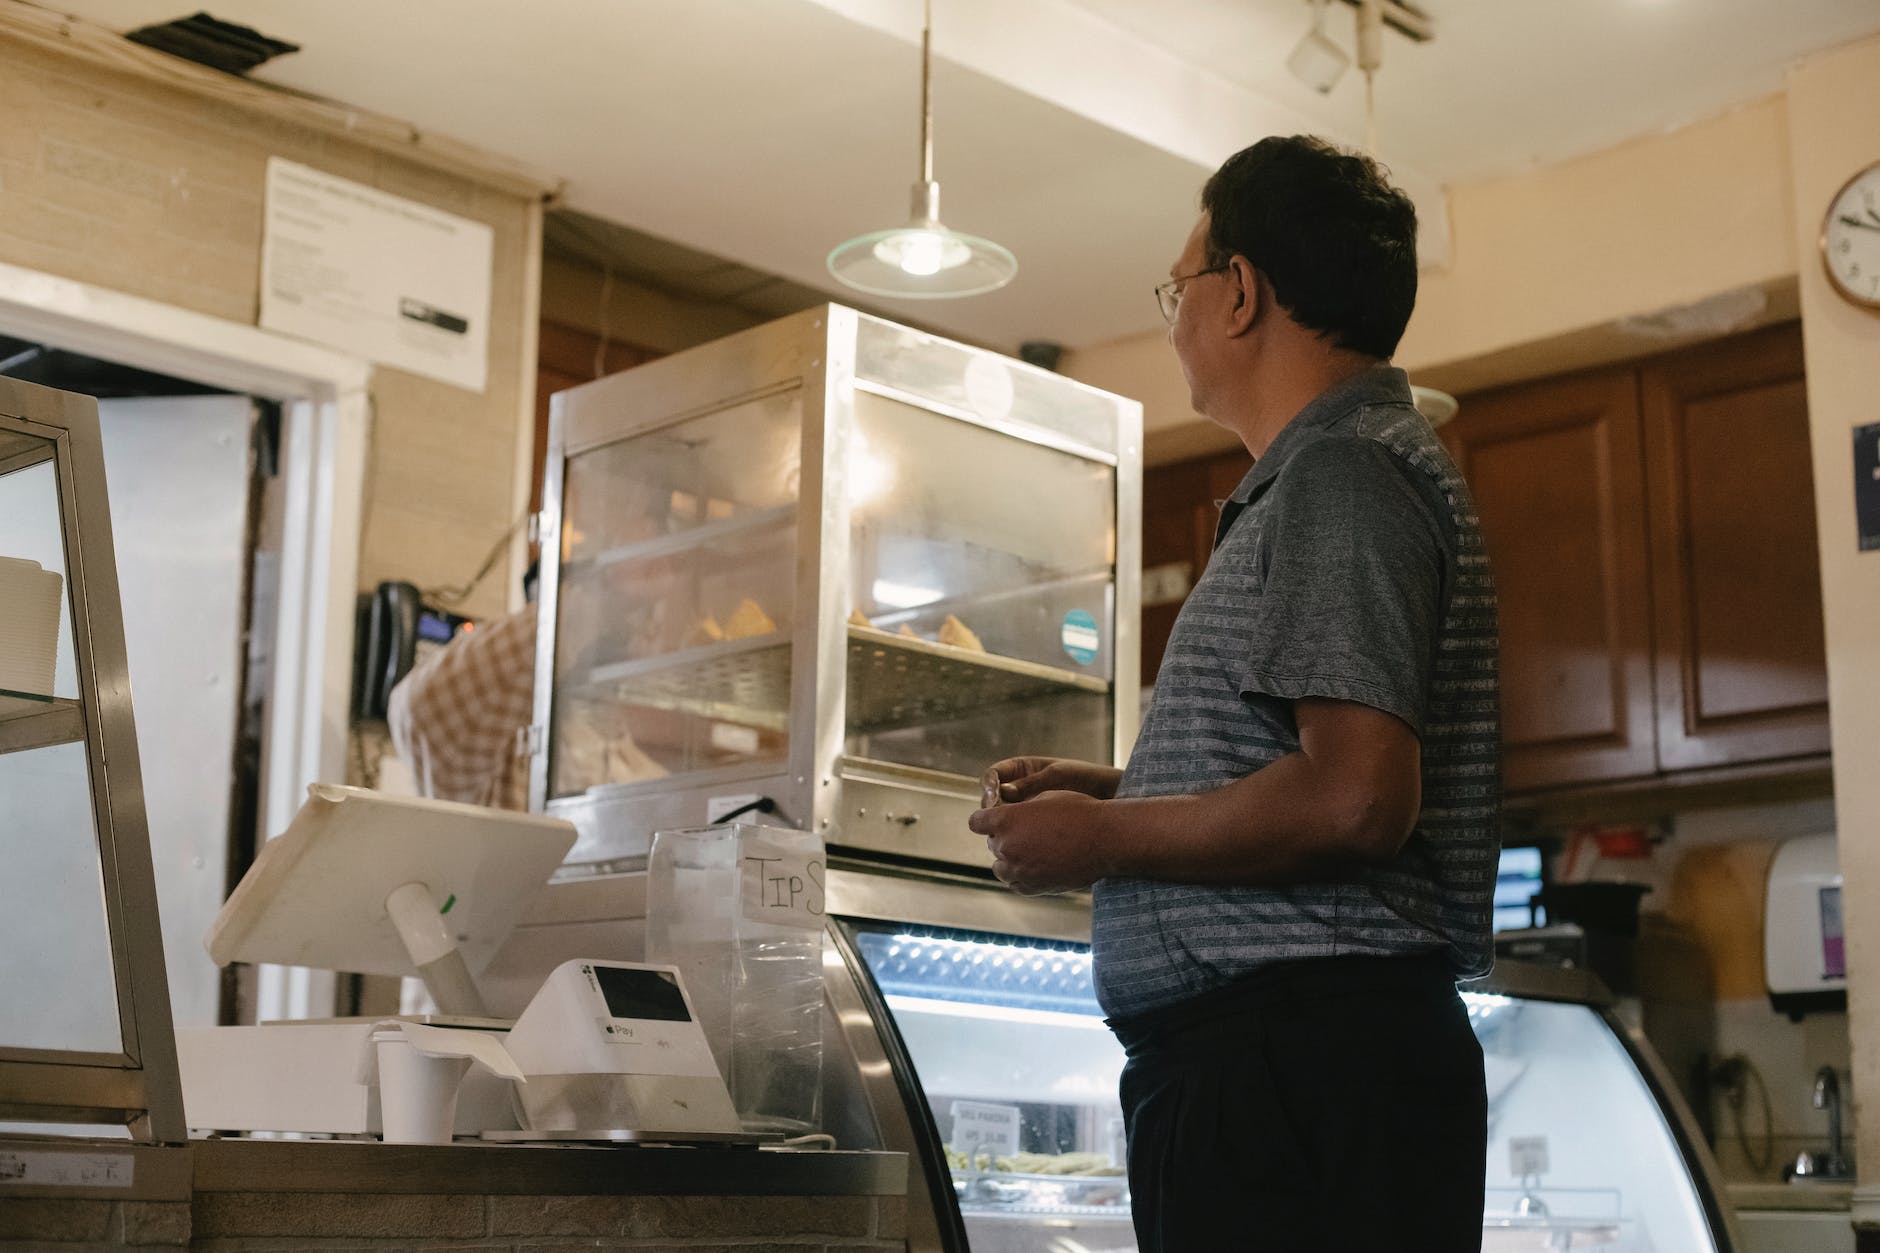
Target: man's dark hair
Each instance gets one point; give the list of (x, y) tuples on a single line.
[(1336, 240)]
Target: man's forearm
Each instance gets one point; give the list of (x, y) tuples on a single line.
[(1291, 821)]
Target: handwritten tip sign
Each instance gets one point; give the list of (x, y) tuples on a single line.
[(783, 885)]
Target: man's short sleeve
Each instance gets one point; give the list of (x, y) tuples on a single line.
[(1351, 594)]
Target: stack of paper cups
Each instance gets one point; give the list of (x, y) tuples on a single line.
[(29, 626)]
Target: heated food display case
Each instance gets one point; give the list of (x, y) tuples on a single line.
[(837, 566), (996, 1064)]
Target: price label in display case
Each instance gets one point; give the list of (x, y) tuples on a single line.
[(982, 1128), (1527, 1156)]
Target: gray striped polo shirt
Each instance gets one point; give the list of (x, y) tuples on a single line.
[(1348, 565)]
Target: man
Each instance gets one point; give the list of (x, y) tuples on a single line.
[(456, 716), (1298, 861)]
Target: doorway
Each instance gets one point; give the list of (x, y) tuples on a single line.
[(313, 404), (188, 468)]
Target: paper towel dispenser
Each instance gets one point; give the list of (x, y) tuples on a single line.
[(1804, 945)]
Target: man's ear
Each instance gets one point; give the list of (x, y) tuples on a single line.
[(1252, 295)]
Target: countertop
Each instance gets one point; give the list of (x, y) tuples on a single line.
[(1791, 1196)]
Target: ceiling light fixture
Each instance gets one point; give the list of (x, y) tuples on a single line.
[(1317, 61), (1437, 407), (923, 260)]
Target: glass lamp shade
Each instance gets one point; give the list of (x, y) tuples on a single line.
[(1436, 407), (922, 260)]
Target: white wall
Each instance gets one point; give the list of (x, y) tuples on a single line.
[(1834, 130)]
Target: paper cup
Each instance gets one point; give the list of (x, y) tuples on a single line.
[(417, 1094), (29, 626)]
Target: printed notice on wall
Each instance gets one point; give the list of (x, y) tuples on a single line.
[(376, 275), (783, 886)]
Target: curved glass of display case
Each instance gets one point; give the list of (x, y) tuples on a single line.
[(1019, 1074), (1005, 1067)]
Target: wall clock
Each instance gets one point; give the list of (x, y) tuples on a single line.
[(1850, 239)]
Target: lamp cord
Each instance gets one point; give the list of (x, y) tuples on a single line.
[(1370, 115), (448, 597), (926, 93)]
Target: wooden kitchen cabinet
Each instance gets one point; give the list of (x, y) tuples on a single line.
[(1741, 669), (1652, 529), (1558, 474)]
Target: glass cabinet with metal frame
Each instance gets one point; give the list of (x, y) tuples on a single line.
[(977, 1047), (833, 567), (85, 1039)]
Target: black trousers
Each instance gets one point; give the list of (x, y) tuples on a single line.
[(1332, 1105)]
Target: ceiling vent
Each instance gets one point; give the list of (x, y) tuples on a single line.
[(212, 42)]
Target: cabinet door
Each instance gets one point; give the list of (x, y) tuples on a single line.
[(1742, 670), (1558, 478)]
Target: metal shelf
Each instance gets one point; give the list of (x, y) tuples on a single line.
[(745, 681), (1011, 1194), (38, 721), (893, 681), (684, 541)]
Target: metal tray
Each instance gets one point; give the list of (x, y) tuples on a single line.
[(893, 681), (1009, 1192)]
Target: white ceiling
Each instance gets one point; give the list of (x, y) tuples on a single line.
[(1075, 132)]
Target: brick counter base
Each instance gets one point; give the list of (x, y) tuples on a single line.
[(305, 1222)]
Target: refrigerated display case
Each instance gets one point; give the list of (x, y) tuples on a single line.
[(1590, 1145), (980, 1006), (1019, 1074), (836, 566)]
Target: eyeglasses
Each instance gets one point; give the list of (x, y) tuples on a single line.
[(1169, 294)]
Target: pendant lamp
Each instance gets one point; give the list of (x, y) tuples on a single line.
[(923, 260)]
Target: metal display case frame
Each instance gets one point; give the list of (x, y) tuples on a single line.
[(138, 1086), (826, 356)]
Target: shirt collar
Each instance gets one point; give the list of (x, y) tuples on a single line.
[(1380, 384)]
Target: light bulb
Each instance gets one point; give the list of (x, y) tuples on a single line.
[(921, 253)]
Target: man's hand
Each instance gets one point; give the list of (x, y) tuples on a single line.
[(1021, 778), (1051, 842)]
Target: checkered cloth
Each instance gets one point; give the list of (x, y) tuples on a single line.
[(455, 717)]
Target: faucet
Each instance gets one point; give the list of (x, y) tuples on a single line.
[(1828, 1097)]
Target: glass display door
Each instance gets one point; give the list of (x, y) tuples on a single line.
[(1019, 1073)]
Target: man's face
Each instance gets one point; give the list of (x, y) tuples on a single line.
[(1189, 332)]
